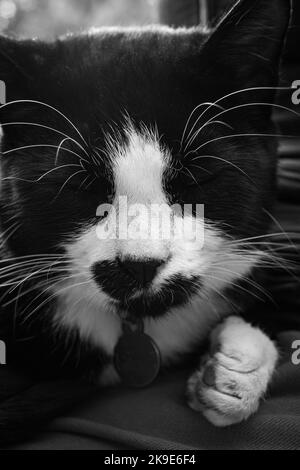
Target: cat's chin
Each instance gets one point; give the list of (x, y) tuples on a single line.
[(145, 306), (156, 303)]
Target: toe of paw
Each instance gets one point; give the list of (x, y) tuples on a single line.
[(224, 410), (217, 375), (224, 397), (237, 362)]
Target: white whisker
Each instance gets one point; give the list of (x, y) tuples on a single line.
[(47, 106), (24, 147), (35, 124), (72, 286), (8, 233), (70, 165), (190, 117), (224, 137), (225, 161), (235, 285), (276, 222), (189, 143), (67, 180), (210, 105)]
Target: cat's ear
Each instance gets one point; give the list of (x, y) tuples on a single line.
[(248, 42)]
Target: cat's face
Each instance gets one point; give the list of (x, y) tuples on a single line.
[(140, 116)]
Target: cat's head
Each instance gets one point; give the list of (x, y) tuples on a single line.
[(150, 116)]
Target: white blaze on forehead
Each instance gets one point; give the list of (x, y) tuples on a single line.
[(139, 168)]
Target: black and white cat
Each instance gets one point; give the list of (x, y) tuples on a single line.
[(158, 116)]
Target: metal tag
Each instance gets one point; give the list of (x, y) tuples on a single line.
[(137, 359)]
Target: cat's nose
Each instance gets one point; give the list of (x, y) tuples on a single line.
[(143, 271)]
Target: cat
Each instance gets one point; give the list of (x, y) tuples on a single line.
[(159, 116)]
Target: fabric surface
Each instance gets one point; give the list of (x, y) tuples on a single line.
[(157, 418)]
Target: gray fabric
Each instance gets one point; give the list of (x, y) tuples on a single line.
[(158, 418)]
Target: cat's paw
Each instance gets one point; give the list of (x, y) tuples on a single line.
[(233, 377), (222, 392)]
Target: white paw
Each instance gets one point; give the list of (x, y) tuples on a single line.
[(234, 376)]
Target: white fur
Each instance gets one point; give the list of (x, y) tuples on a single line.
[(138, 171), (235, 374)]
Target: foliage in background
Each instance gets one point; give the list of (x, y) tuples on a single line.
[(50, 18)]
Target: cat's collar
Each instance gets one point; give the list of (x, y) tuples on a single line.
[(136, 356)]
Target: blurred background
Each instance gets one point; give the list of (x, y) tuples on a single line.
[(49, 18)]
